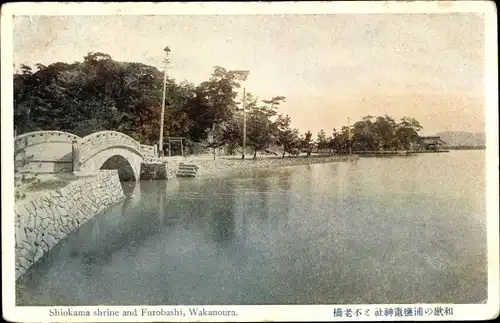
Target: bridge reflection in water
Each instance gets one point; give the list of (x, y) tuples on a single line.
[(91, 247), (151, 209)]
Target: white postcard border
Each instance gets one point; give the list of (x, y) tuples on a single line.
[(251, 312)]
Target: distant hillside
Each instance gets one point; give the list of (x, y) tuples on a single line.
[(460, 138)]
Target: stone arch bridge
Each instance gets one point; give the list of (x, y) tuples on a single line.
[(58, 152)]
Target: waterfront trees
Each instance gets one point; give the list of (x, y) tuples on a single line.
[(219, 93), (334, 141), (407, 132), (286, 137), (100, 93), (322, 141), (385, 128), (364, 134), (274, 102), (307, 143), (341, 140), (384, 133), (261, 130)]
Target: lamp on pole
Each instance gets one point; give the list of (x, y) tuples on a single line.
[(162, 118)]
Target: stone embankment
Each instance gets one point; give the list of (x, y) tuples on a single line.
[(158, 171), (208, 167), (41, 222)]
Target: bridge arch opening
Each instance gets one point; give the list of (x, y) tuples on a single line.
[(125, 170)]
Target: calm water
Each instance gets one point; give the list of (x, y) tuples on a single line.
[(378, 230)]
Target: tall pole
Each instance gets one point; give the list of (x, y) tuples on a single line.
[(244, 124), (162, 118)]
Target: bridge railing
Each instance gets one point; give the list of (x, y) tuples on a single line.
[(149, 152), (40, 137), (44, 151), (58, 151), (93, 143)]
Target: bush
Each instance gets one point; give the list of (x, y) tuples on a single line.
[(195, 148)]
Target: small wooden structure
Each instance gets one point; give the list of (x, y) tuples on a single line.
[(433, 143), (175, 139)]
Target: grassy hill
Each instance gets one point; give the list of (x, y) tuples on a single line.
[(462, 138)]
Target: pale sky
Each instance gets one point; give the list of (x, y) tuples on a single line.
[(427, 66)]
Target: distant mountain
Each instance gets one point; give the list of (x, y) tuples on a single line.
[(461, 138)]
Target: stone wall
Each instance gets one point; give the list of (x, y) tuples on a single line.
[(172, 169), (221, 164), (158, 171), (149, 152), (40, 223)]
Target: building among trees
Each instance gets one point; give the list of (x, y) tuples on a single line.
[(433, 143)]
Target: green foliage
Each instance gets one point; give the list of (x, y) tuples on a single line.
[(407, 132), (261, 129), (307, 143), (287, 137), (100, 93), (270, 106), (322, 141), (384, 133), (218, 94)]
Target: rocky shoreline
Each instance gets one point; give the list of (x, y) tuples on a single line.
[(211, 167)]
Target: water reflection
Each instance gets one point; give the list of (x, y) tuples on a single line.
[(333, 233), (261, 186), (284, 193), (130, 188), (222, 213), (103, 236), (124, 229)]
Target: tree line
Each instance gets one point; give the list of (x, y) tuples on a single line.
[(100, 93)]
